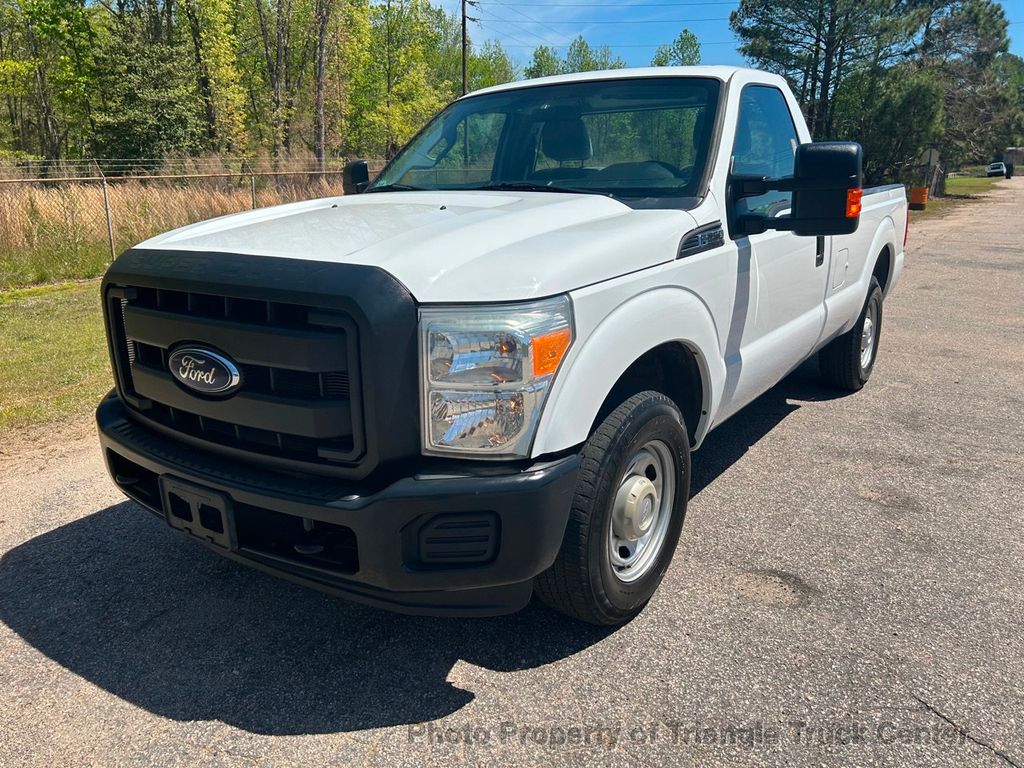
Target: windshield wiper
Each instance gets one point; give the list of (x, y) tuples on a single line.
[(530, 186), (396, 188)]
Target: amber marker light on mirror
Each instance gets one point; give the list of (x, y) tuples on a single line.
[(853, 202)]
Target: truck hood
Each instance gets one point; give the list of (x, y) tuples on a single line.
[(455, 246)]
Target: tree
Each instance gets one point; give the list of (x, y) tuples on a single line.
[(322, 19), (545, 62), (816, 43), (899, 76), (582, 57), (393, 94), (684, 51), (894, 117), (214, 46), (1008, 70), (283, 29), (490, 65), (150, 106), (79, 78), (59, 40), (961, 42)]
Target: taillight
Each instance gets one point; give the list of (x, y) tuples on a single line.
[(853, 202)]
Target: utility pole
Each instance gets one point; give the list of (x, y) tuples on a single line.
[(465, 45)]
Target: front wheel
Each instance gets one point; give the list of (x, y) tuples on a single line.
[(626, 515), (847, 361)]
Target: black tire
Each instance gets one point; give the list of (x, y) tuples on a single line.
[(840, 361), (582, 583)]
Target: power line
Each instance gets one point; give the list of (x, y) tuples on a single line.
[(522, 29), (636, 21), (614, 7), (485, 24), (529, 18), (616, 46), (499, 34)]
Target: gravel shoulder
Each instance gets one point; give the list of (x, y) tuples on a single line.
[(847, 591)]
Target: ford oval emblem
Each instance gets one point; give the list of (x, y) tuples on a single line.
[(204, 371)]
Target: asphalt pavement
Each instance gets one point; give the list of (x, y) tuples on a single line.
[(847, 591)]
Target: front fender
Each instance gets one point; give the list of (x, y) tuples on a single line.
[(609, 342)]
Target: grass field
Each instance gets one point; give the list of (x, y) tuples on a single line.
[(53, 358), (58, 231), (970, 185), (959, 190)]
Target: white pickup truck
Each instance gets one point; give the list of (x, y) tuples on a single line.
[(482, 377)]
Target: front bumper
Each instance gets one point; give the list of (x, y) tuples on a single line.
[(439, 544)]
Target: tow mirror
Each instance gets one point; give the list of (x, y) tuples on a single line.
[(831, 202), (827, 188), (355, 177)]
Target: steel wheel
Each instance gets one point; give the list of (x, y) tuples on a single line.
[(627, 513), (641, 511), (868, 337)]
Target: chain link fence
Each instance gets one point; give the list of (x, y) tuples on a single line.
[(68, 221)]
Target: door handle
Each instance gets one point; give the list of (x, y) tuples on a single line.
[(819, 251)]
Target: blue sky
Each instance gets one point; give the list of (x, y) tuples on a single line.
[(633, 28)]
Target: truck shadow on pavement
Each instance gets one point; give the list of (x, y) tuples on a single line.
[(119, 599), (728, 443)]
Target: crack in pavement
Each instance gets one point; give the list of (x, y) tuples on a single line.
[(964, 732)]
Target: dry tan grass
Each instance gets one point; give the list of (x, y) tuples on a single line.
[(57, 231)]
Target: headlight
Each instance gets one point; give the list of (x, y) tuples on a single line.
[(486, 371)]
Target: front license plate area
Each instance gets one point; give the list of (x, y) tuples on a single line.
[(199, 511)]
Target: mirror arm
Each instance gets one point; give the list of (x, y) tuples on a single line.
[(752, 186), (755, 225)]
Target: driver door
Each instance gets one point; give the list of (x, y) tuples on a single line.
[(790, 271)]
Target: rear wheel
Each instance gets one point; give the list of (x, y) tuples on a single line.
[(847, 361), (626, 515)]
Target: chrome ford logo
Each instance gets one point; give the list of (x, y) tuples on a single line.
[(204, 371)]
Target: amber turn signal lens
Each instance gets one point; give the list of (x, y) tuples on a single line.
[(548, 351), (853, 202)]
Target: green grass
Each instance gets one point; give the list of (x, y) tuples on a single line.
[(53, 356), (969, 185), (52, 263), (959, 190)]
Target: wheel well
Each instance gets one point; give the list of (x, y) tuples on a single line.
[(883, 268), (669, 368)]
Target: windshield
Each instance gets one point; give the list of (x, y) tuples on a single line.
[(636, 139)]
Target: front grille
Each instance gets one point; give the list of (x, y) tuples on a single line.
[(265, 380), (299, 367)]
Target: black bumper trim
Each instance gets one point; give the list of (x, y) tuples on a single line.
[(532, 505)]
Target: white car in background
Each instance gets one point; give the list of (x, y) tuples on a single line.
[(996, 169)]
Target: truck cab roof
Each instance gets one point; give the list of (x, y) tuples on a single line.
[(723, 73)]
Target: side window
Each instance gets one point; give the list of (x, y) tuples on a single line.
[(766, 142)]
